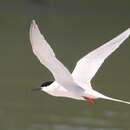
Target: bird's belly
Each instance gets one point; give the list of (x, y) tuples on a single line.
[(61, 92), (57, 90)]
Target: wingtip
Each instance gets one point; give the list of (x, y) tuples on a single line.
[(33, 26), (128, 31), (33, 22)]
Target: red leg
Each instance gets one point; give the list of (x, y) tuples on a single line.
[(90, 100)]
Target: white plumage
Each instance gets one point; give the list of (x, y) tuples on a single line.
[(78, 84)]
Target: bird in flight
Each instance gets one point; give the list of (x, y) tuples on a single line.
[(78, 84)]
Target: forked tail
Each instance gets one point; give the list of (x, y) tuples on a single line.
[(113, 99)]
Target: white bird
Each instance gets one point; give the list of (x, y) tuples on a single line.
[(78, 84)]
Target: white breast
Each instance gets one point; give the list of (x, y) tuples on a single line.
[(57, 90)]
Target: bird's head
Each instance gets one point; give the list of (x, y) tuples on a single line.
[(43, 86)]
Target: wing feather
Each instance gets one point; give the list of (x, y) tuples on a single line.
[(46, 56), (87, 66)]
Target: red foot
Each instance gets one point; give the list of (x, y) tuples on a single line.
[(90, 100)]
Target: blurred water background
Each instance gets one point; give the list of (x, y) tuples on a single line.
[(73, 28)]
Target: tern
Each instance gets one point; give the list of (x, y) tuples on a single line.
[(78, 84)]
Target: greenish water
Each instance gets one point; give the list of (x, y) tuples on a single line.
[(73, 29)]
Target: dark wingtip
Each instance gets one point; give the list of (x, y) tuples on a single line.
[(36, 89)]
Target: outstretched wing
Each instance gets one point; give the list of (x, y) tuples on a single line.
[(87, 67), (47, 57)]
